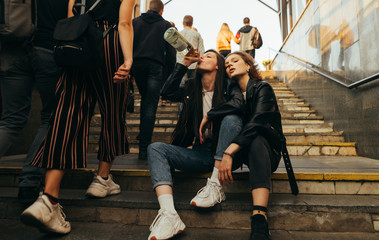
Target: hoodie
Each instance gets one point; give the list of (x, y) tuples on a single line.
[(246, 33), (149, 44)]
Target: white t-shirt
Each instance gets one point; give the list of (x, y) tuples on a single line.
[(244, 95), (207, 105)]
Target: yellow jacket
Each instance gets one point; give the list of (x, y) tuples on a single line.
[(223, 40)]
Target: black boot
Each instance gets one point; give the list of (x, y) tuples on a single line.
[(259, 228)]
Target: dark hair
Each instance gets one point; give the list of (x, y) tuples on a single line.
[(188, 20), (194, 90), (156, 5), (246, 20), (249, 60)]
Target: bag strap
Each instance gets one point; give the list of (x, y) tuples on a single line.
[(82, 6), (107, 31), (93, 6), (289, 169)]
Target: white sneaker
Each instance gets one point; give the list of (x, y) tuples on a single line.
[(101, 188), (166, 225), (209, 195), (45, 216)]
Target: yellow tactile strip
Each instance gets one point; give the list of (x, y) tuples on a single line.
[(340, 144)]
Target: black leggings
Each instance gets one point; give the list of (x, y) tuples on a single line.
[(261, 160)]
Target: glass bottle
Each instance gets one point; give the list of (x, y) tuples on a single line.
[(175, 39)]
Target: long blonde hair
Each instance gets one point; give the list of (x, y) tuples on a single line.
[(225, 27)]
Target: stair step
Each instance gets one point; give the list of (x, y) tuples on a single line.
[(14, 229), (338, 213), (302, 148)]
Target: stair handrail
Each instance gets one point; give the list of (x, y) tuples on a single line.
[(318, 70)]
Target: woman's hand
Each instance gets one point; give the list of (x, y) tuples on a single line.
[(225, 170), (189, 59), (123, 72), (225, 167), (204, 125)]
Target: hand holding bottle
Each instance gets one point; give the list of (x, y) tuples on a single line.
[(191, 58)]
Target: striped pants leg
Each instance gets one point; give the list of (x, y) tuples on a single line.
[(65, 145)]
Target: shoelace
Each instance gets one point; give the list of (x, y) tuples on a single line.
[(62, 216), (204, 192), (158, 218)]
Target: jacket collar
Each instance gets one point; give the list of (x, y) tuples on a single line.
[(251, 86)]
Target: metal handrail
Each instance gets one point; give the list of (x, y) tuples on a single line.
[(314, 68)]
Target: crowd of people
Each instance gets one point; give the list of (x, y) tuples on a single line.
[(229, 115)]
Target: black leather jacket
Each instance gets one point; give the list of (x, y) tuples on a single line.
[(187, 129), (262, 116)]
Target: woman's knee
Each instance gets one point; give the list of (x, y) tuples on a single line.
[(233, 122), (155, 148)]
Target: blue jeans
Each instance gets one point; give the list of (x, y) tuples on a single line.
[(163, 157), (149, 80), (20, 73)]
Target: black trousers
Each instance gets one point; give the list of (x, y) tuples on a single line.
[(149, 79), (261, 160)]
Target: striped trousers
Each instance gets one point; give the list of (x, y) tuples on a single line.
[(66, 142)]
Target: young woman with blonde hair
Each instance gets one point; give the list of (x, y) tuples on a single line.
[(224, 39)]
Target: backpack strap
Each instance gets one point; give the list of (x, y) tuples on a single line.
[(93, 6), (289, 169)]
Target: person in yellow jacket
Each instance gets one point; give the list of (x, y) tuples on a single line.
[(224, 39)]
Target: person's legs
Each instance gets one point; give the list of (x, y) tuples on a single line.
[(162, 158), (46, 74), (16, 86), (149, 84), (251, 52), (260, 156), (225, 53), (112, 99), (212, 193)]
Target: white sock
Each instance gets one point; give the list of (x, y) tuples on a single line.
[(166, 202), (214, 176)]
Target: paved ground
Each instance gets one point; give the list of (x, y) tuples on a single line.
[(13, 229)]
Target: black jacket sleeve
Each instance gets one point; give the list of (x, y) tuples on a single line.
[(233, 105), (170, 56), (264, 112), (171, 90)]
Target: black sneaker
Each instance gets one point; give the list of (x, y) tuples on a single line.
[(259, 228)]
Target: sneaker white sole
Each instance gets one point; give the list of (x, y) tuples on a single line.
[(102, 194), (193, 203), (180, 231), (32, 221)]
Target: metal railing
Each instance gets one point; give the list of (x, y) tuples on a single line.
[(318, 70)]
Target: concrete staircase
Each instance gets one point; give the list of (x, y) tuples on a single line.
[(339, 191), (307, 133)]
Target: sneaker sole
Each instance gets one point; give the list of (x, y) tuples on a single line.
[(180, 231), (98, 194), (195, 205), (31, 221)]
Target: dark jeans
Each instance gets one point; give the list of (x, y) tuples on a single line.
[(251, 52), (261, 160), (20, 72), (225, 52), (149, 79), (200, 159)]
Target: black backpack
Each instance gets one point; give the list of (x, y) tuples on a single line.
[(256, 40), (79, 41)]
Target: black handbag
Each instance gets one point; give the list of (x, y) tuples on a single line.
[(79, 41)]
